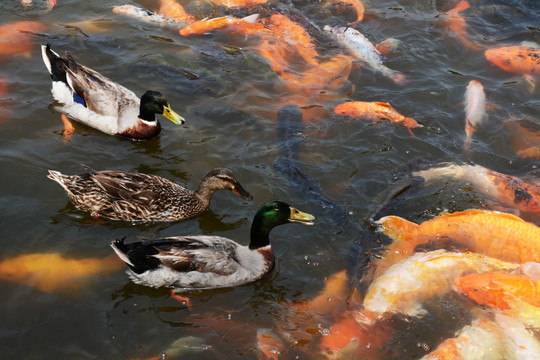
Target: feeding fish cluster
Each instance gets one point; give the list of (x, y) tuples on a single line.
[(486, 257)]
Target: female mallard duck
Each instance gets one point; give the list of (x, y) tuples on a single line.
[(196, 262), (92, 99), (119, 195)]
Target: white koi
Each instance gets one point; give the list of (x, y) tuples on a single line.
[(144, 15), (361, 48), (475, 109)]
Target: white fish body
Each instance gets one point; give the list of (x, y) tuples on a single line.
[(475, 109), (406, 285), (361, 48), (143, 14)]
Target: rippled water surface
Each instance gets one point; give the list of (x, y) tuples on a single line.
[(230, 98)]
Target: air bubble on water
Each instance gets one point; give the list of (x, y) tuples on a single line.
[(424, 346)]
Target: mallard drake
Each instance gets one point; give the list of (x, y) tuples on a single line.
[(197, 262), (92, 99), (119, 195)]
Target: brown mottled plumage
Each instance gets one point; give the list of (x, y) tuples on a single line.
[(119, 195)]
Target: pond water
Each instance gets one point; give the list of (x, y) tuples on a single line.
[(230, 98)]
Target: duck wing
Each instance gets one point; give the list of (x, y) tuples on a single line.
[(205, 254), (100, 94)]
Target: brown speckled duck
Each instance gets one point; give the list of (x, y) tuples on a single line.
[(203, 262), (119, 195)]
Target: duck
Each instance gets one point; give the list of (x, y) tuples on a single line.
[(207, 262), (90, 98), (129, 196)]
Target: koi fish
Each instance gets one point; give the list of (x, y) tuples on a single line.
[(173, 10), (357, 5), (499, 290), (49, 4), (362, 49), (492, 233), (403, 288), (208, 25), (143, 15), (520, 343), (15, 37), (454, 22), (475, 110), (522, 60), (509, 190), (481, 340), (406, 285), (378, 110), (53, 272), (387, 46), (526, 141), (239, 3), (269, 344)]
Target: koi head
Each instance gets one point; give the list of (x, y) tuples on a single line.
[(483, 289)]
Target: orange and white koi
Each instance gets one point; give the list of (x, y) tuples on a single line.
[(208, 25), (522, 60), (481, 340), (509, 190), (357, 5), (15, 37), (453, 21), (495, 234), (406, 285), (475, 110), (362, 49), (375, 110), (52, 272), (173, 10), (49, 4), (144, 15)]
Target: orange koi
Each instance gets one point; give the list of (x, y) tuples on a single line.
[(377, 110), (387, 46), (269, 344), (526, 141), (454, 22), (499, 290), (173, 10), (499, 235), (357, 5), (509, 190), (475, 110), (470, 342), (239, 3), (15, 37), (53, 272), (206, 26), (516, 59)]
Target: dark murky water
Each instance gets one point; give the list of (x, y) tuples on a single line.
[(228, 94)]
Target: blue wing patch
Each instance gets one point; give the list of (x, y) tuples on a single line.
[(78, 99)]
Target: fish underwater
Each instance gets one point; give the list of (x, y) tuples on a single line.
[(54, 272), (454, 22), (375, 110), (356, 5), (526, 140), (475, 110), (402, 289), (205, 26), (144, 15), (509, 190), (496, 234), (362, 49), (173, 10), (522, 60), (15, 38)]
